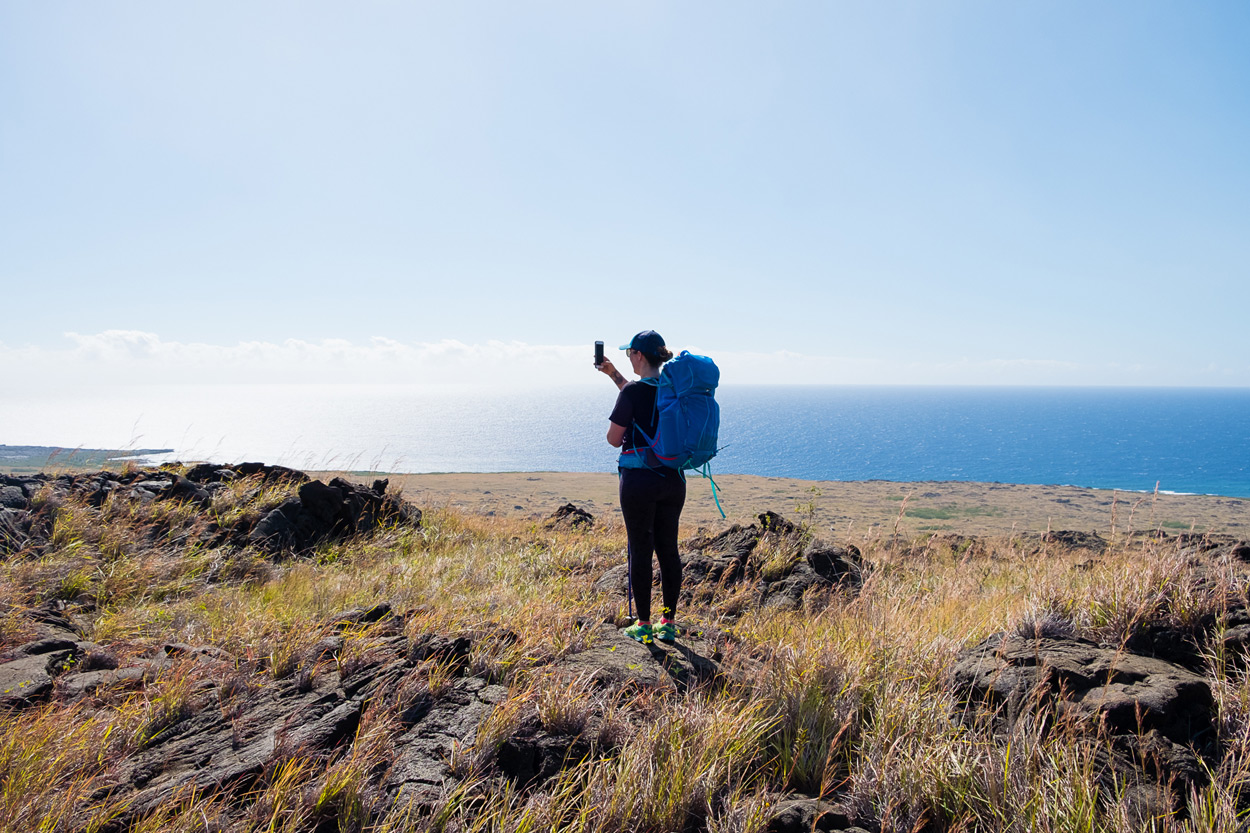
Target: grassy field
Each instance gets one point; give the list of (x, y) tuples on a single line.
[(846, 697), (849, 510)]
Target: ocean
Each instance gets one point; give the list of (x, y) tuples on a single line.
[(1180, 439)]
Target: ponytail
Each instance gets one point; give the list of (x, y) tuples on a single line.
[(660, 357)]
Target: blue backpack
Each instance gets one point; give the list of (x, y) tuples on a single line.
[(689, 418)]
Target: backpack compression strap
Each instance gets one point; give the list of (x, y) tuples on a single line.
[(706, 471)]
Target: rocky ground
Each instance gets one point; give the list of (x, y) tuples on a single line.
[(1148, 700)]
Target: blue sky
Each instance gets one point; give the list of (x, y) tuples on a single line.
[(826, 192)]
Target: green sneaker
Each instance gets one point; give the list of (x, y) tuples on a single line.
[(665, 632), (639, 633)]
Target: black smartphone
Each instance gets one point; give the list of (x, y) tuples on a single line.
[(598, 353)]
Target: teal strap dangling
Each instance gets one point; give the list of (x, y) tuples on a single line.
[(706, 472)]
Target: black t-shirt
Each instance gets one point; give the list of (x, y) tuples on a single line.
[(635, 407)]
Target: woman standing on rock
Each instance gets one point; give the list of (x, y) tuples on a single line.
[(651, 495)]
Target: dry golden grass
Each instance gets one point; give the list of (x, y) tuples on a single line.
[(845, 696)]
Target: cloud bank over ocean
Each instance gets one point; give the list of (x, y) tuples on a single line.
[(134, 357)]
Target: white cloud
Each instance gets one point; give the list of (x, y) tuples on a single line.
[(119, 357), (132, 357)]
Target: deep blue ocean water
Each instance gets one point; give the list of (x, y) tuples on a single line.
[(1183, 439)]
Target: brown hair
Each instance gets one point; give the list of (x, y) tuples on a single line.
[(661, 356)]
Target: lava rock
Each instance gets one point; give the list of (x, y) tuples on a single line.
[(333, 511), (1159, 714), (806, 815), (532, 755), (569, 516), (13, 497), (15, 530), (1076, 540)]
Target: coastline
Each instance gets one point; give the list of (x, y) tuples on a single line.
[(846, 510)]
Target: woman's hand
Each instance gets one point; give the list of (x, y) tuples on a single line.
[(608, 369)]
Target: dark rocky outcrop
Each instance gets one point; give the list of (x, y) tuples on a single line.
[(13, 497), (451, 652), (532, 754), (822, 567), (28, 672), (236, 722), (569, 516), (1220, 547), (15, 529), (317, 513), (801, 814), (421, 773), (26, 679), (729, 558), (1158, 715), (1075, 539), (1234, 642), (321, 512)]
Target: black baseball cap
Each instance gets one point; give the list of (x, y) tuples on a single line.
[(648, 342)]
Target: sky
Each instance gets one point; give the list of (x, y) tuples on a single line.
[(962, 193)]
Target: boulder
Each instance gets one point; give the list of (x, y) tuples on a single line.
[(1159, 714), (88, 683), (362, 616), (1074, 539), (16, 492), (531, 754), (569, 516), (13, 497), (803, 814), (452, 652), (616, 580), (28, 679), (205, 473), (1121, 691), (1214, 549), (835, 563), (15, 530), (47, 645), (271, 474), (183, 489), (786, 592), (722, 559), (322, 512), (822, 567), (97, 490), (1235, 643), (711, 562)]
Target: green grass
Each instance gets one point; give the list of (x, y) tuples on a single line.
[(950, 511)]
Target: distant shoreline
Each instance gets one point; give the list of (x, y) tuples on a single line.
[(31, 459)]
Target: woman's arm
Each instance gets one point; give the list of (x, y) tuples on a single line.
[(608, 369), (616, 434)]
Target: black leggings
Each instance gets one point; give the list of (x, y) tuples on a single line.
[(651, 503)]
